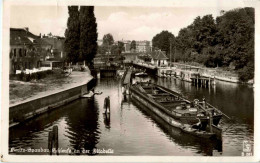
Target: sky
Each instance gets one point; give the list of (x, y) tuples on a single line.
[(124, 23)]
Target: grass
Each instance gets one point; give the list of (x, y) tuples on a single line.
[(19, 90)]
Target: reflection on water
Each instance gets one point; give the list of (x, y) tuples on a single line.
[(132, 130)]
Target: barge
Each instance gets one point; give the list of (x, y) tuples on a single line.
[(194, 117)]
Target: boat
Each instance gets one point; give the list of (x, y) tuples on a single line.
[(141, 74), (98, 92), (91, 94), (88, 95), (194, 117)]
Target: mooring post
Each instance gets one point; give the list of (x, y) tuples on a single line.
[(105, 105), (55, 138), (50, 137), (108, 104)]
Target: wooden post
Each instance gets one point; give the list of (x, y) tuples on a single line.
[(55, 137), (53, 141), (105, 105), (50, 137), (210, 122), (108, 104)]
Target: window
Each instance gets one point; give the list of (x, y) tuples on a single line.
[(20, 52), (14, 52), (25, 52)]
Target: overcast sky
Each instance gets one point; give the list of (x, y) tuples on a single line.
[(128, 23)]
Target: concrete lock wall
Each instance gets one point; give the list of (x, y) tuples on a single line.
[(30, 109)]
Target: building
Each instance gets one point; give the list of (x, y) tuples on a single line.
[(57, 50), (143, 46), (127, 46), (26, 50), (158, 58)]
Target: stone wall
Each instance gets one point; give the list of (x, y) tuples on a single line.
[(24, 111)]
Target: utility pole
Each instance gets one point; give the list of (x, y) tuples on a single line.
[(170, 52)]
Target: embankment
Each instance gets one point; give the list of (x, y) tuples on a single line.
[(46, 101)]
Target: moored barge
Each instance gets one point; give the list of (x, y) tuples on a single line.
[(193, 117)]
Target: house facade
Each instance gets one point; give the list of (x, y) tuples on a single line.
[(143, 46), (26, 50)]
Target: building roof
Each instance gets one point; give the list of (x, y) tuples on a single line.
[(22, 36), (158, 55)]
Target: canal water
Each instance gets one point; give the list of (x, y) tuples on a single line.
[(132, 130)]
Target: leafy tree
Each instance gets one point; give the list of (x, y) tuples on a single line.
[(101, 50), (88, 34), (121, 47), (133, 45), (72, 35), (236, 28), (117, 49), (227, 41), (162, 41), (108, 41)]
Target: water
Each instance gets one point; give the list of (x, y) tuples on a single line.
[(134, 131)]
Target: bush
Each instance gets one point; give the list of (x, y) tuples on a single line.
[(21, 75), (33, 76), (246, 73), (27, 77)]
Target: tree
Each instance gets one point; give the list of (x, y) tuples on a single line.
[(72, 35), (227, 41), (88, 34), (101, 50), (133, 45), (121, 47), (108, 41), (236, 28), (162, 41)]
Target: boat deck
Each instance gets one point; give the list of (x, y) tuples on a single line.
[(169, 101)]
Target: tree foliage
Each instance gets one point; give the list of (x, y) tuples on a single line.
[(72, 35), (133, 45), (227, 41), (162, 41), (118, 49), (81, 34), (88, 34)]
